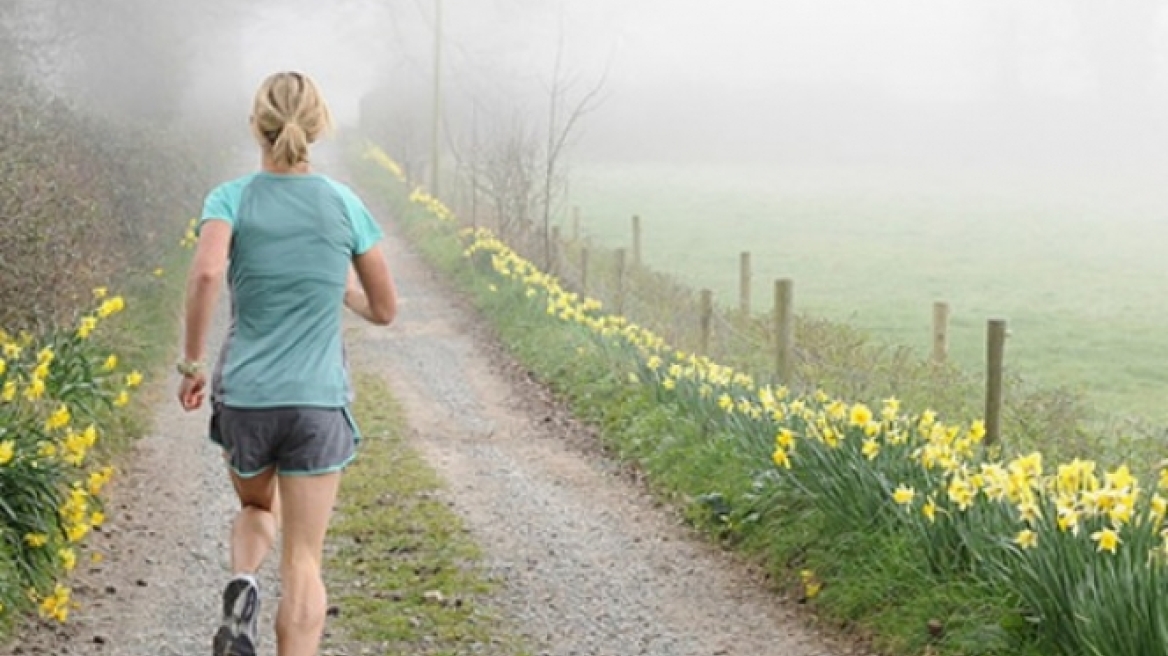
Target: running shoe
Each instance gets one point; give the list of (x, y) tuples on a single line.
[(239, 632)]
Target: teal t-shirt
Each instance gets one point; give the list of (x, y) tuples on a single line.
[(293, 241)]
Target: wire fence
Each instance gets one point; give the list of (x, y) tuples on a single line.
[(778, 345)]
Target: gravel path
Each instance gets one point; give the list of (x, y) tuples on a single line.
[(590, 564)]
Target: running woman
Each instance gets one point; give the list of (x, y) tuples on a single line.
[(296, 247)]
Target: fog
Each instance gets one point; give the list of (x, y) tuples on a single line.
[(909, 82), (839, 116), (900, 82)]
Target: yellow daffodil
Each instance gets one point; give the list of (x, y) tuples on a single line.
[(111, 307), (68, 558), (1107, 539), (961, 492), (1028, 512), (781, 459), (1026, 538), (890, 410), (87, 326), (929, 510), (1159, 507), (860, 415), (59, 419), (56, 605), (903, 495)]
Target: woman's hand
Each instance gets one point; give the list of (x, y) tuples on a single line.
[(192, 391), (354, 294), (357, 301)]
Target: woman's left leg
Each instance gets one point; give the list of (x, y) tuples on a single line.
[(255, 528)]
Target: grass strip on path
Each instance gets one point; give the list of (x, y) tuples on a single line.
[(403, 572)]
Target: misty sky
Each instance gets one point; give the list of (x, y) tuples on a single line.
[(682, 61)]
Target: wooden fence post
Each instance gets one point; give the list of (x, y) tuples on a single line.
[(744, 276), (940, 332), (784, 330), (621, 256), (637, 241), (705, 320), (995, 365)]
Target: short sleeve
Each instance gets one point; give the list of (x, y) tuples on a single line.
[(222, 203), (366, 231)]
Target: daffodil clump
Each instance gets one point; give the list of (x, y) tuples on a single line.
[(54, 392), (1082, 554), (418, 196), (383, 160), (431, 204)]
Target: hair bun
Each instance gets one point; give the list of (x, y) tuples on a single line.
[(289, 115)]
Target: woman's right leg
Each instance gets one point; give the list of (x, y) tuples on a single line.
[(307, 505)]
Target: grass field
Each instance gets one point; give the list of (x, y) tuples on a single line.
[(1076, 263)]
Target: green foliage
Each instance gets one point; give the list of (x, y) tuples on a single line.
[(57, 392)]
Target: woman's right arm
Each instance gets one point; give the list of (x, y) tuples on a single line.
[(371, 291)]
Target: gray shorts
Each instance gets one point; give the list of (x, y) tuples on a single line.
[(297, 441)]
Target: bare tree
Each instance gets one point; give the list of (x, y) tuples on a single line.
[(564, 116), (505, 171)]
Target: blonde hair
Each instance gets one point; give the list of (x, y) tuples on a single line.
[(289, 114)]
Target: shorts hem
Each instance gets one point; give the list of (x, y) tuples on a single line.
[(302, 473), (252, 474)]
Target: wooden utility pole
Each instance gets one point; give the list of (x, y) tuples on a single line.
[(436, 119)]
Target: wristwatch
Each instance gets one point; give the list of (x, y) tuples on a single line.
[(187, 368)]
